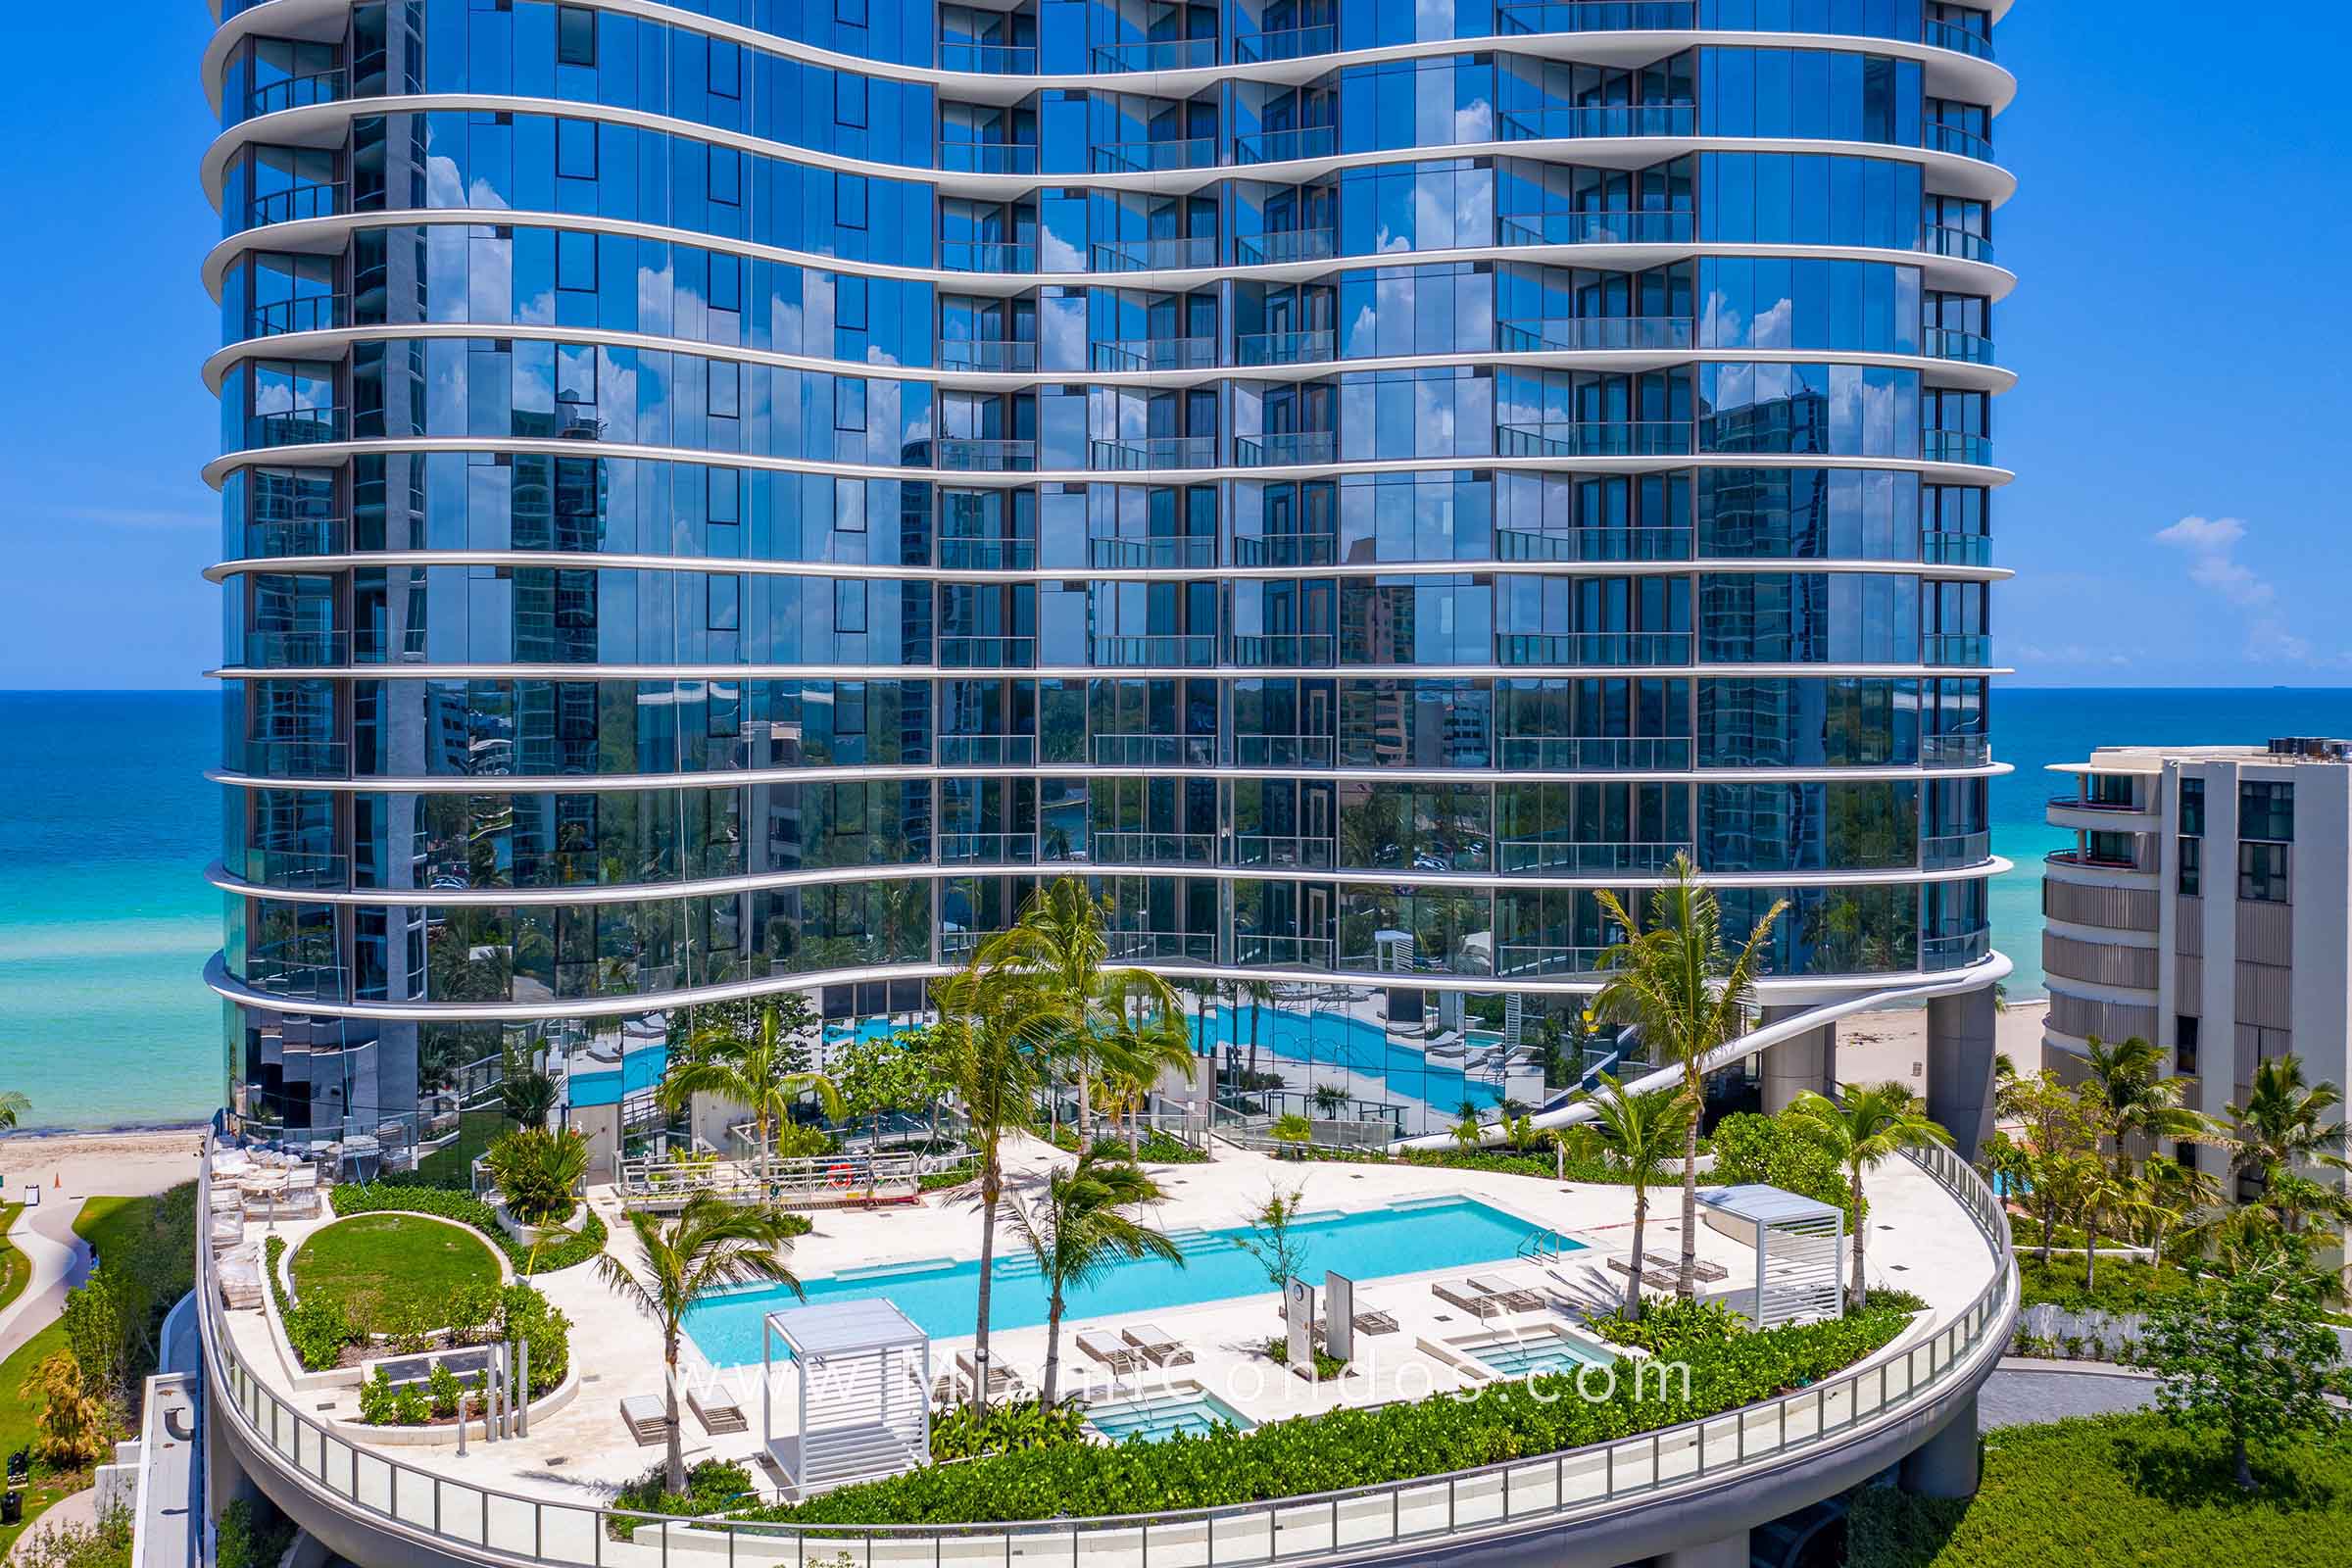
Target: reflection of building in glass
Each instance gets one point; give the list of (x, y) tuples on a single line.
[(740, 527)]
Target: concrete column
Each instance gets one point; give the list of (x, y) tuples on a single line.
[(1728, 1553), (1950, 1464), (1790, 1068), (1960, 1051)]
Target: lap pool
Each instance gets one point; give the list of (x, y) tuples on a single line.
[(942, 1298)]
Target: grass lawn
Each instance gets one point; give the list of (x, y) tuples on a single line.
[(2115, 1491), (15, 1267), (378, 1262), (2122, 1286)]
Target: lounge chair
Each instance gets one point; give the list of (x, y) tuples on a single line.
[(1656, 1274), (646, 1418), (1368, 1321), (1515, 1294), (1704, 1273), (1115, 1354), (1157, 1345), (717, 1411), (1481, 1301), (1001, 1377)]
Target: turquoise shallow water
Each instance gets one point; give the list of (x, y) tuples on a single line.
[(106, 826)]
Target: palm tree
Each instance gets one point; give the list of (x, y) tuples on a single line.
[(1059, 947), (13, 1107), (1256, 996), (988, 1047), (1140, 1043), (711, 1243), (2177, 1194), (1688, 996), (2110, 1201), (2128, 1085), (2285, 1124), (1644, 1129), (1078, 1231), (758, 1072), (1864, 1128)]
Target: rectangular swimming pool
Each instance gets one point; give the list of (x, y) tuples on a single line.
[(1155, 1418), (942, 1298), (1534, 1354)]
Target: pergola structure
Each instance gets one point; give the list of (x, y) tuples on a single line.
[(864, 1375), (1797, 1241)]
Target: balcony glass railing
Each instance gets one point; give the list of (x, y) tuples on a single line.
[(292, 758), (988, 59), (1952, 35), (1162, 946), (1956, 446), (1253, 951), (297, 427), (309, 871), (1569, 858), (1594, 334), (2084, 803), (1152, 751), (2097, 859), (987, 156), (987, 554), (1176, 254), (1154, 54), (986, 256), (296, 650), (297, 536), (1942, 850), (1285, 449), (1288, 43), (1155, 452), (1955, 750), (295, 92), (1178, 554), (1608, 648), (987, 750), (1953, 140), (987, 653), (1285, 850), (1598, 228), (1955, 648), (1284, 751), (298, 980), (1281, 146), (971, 454), (1154, 157), (1154, 354), (1570, 438), (1595, 15), (1960, 243), (1569, 120), (995, 355), (1596, 754), (1284, 650), (1286, 550), (312, 313), (988, 849), (1282, 348), (294, 204), (1937, 548), (1152, 849), (1956, 951), (1943, 343), (1525, 960), (1178, 649), (1282, 246), (1593, 544)]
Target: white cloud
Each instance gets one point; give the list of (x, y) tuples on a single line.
[(2211, 544)]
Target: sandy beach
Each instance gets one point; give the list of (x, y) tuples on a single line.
[(71, 1166), (1876, 1047)]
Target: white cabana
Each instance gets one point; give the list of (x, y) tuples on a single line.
[(864, 1378), (1797, 1241)]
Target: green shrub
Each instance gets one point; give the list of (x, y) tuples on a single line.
[(711, 1485), (1749, 1148), (387, 1197), (1675, 1327), (1278, 1352), (252, 1534), (104, 1545), (956, 1175), (442, 1384), (959, 1431), (536, 1169), (410, 1326), (526, 1316), (2122, 1286), (317, 1327), (378, 1402), (473, 1308)]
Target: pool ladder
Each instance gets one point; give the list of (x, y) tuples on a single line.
[(1545, 1247)]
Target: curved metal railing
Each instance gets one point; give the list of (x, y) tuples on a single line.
[(490, 1525)]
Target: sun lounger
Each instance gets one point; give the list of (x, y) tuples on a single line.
[(1656, 1275), (1366, 1322), (1704, 1273), (1157, 1344), (717, 1411), (1515, 1294), (1001, 1377), (647, 1417), (1115, 1354), (1484, 1296)]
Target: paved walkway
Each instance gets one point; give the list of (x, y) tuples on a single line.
[(81, 1508), (2024, 1393), (60, 1260)]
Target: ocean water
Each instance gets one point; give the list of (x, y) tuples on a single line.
[(107, 823), (106, 826)]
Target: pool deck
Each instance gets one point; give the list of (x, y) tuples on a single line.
[(1920, 1239)]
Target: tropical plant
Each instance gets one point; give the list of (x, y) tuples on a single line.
[(711, 1243), (2285, 1124), (1078, 1229), (2179, 1195), (1331, 1101), (71, 1430), (13, 1107), (2055, 1126), (761, 1069), (1140, 1043), (538, 1171), (2246, 1353), (2108, 1202), (1643, 1130), (1059, 947), (1867, 1127), (876, 1077), (1688, 995), (1256, 996), (526, 1095), (2135, 1099), (1468, 1130), (1292, 1130), (1273, 1238), (988, 1046), (967, 1432)]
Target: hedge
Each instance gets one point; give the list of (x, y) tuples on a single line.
[(382, 1198), (1352, 1448), (2123, 1286), (2115, 1491)]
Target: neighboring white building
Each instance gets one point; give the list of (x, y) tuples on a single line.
[(2206, 907)]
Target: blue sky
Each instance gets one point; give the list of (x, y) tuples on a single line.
[(2180, 432)]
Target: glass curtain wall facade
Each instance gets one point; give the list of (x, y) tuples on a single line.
[(727, 499)]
